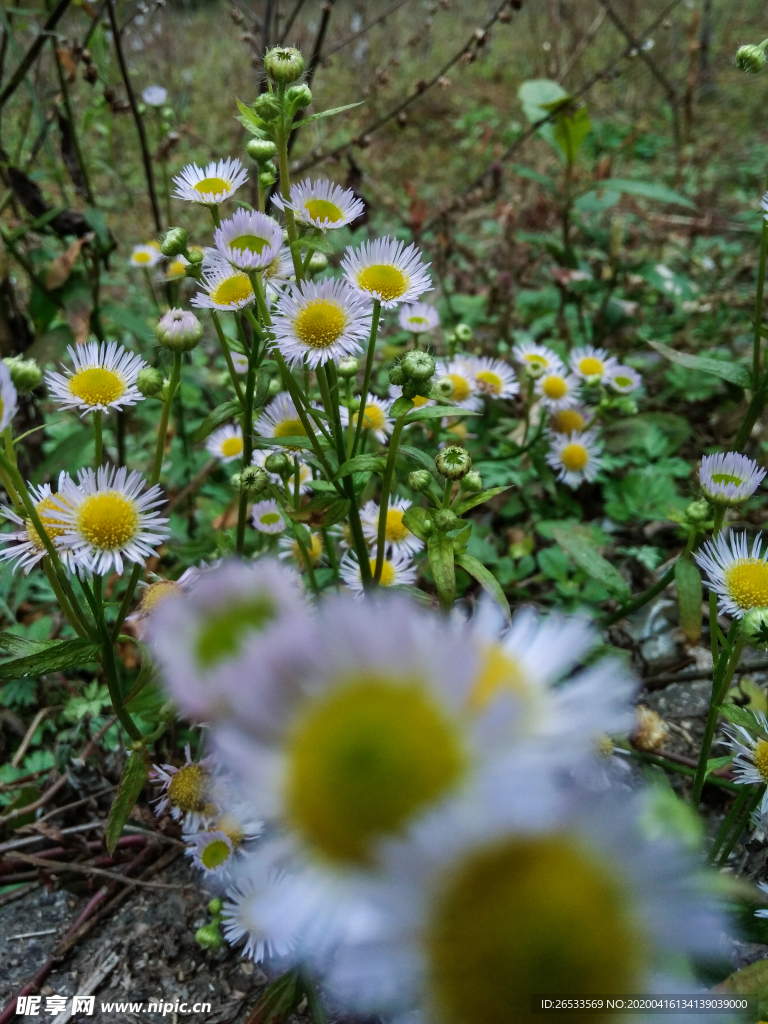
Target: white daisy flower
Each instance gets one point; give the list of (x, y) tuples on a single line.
[(575, 457), (322, 204), (226, 443), (305, 473), (493, 377), (241, 621), (623, 379), (557, 390), (240, 362), (25, 547), (212, 852), (572, 420), (249, 240), (288, 548), (279, 419), (729, 478), (592, 362), (376, 417), (737, 575), (397, 570), (750, 765), (320, 320), (461, 374), (418, 318), (212, 185), (8, 398), (145, 256), (185, 792), (224, 287), (387, 270), (240, 922), (104, 377), (155, 95), (398, 537), (537, 359), (267, 517), (108, 517)]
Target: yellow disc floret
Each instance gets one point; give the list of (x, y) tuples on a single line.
[(141, 257), (374, 418), (315, 550), (96, 386), (527, 916), (231, 827), (322, 210), (289, 428), (320, 324), (498, 671), (396, 530), (747, 582), (760, 757), (213, 186), (462, 389), (726, 478), (231, 446), (591, 367), (46, 510), (555, 387), (234, 289), (388, 572), (384, 280), (568, 421), (157, 592), (188, 788), (108, 520), (364, 759), (248, 243), (215, 853), (489, 382), (574, 457)]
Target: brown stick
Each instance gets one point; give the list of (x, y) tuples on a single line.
[(31, 55), (22, 748), (57, 867)]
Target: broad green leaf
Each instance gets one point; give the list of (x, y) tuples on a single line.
[(250, 120), (222, 413), (440, 552), (533, 96), (323, 511), (596, 200), (648, 189), (571, 129), (22, 646), (733, 372), (324, 113), (486, 579), (62, 655), (361, 464), (588, 558), (477, 499), (461, 539), (741, 717), (689, 597), (436, 412), (414, 519), (132, 781), (400, 405), (714, 763)]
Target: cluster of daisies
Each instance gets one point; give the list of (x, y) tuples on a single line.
[(419, 810)]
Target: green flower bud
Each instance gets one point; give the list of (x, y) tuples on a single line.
[(453, 462), (284, 63), (164, 390), (754, 627), (253, 480), (277, 462), (463, 332), (444, 519), (472, 482), (698, 511), (209, 936), (149, 381), (261, 150), (266, 180), (267, 106), (443, 387), (215, 906), (409, 389), (419, 480), (275, 387), (174, 242), (423, 388), (299, 96), (179, 330), (25, 373), (235, 481), (348, 367), (419, 366), (318, 262), (397, 375), (751, 58), (195, 256)]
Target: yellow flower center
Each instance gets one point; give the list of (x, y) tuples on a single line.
[(214, 854), (529, 916), (396, 531), (142, 257), (269, 519), (417, 321), (383, 280), (419, 400), (188, 788), (590, 366), (231, 446), (498, 671), (176, 269), (224, 632), (232, 290), (314, 551), (536, 360), (462, 389), (48, 521), (231, 828), (320, 324), (574, 457), (760, 757), (374, 418), (322, 210), (108, 520), (567, 421), (248, 243), (489, 382), (623, 382), (96, 386), (364, 759), (388, 572), (271, 269), (554, 387), (290, 428), (157, 592), (213, 186), (726, 478), (747, 582)]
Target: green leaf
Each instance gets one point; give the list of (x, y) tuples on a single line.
[(461, 539), (414, 519), (440, 552), (741, 717), (130, 322), (261, 389), (733, 372), (361, 464), (587, 557), (424, 460), (477, 499), (290, 442), (249, 119), (145, 674), (648, 189), (541, 179), (222, 413), (132, 781), (401, 405), (315, 243), (324, 113), (486, 579), (436, 412), (571, 129), (535, 95), (717, 762), (323, 511), (22, 646), (58, 656), (689, 597)]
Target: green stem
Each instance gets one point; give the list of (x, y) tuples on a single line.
[(98, 439), (215, 216), (110, 674), (756, 342), (61, 597), (125, 605), (227, 356), (740, 825), (642, 599), (722, 676), (164, 417), (682, 769), (447, 493), (725, 828), (247, 442), (367, 374), (285, 188), (386, 486), (6, 480)]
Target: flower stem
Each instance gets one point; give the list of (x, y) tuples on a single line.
[(247, 441), (281, 141), (164, 417), (227, 356), (367, 373), (98, 457), (759, 295), (61, 597), (386, 486), (722, 676), (728, 848), (725, 828), (640, 600)]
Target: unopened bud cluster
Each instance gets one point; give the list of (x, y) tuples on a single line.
[(252, 480), (414, 374), (453, 462)]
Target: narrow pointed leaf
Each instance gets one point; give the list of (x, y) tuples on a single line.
[(61, 655), (222, 413), (436, 412), (477, 499), (486, 579), (588, 558), (361, 464), (728, 370), (132, 781), (440, 552), (689, 597)]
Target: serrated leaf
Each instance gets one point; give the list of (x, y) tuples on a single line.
[(741, 717), (733, 372), (324, 113), (486, 579), (361, 464), (477, 499), (588, 558), (441, 561), (433, 412), (321, 512), (132, 781), (689, 597), (61, 655), (222, 413), (414, 519)]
